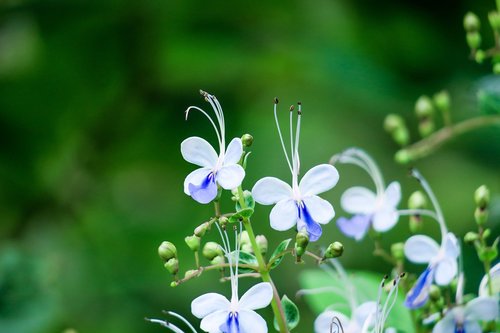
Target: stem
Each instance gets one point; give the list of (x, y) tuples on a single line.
[(380, 252), (201, 269)]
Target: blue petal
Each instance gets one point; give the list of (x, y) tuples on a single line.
[(232, 325), (356, 227), (206, 191), (313, 228), (419, 294)]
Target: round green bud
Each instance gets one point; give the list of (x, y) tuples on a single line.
[(201, 229), (403, 156), (172, 266), (193, 242), (496, 68), (442, 100), (299, 251), (494, 18), (426, 127), (424, 107), (401, 136), (217, 260), (174, 284), (471, 22), (486, 233), (473, 39), (417, 200), (244, 238), (480, 215), (223, 221), (392, 122), (334, 250), (480, 56), (482, 196), (415, 224), (398, 251), (167, 251), (471, 237), (302, 239), (247, 140), (262, 242), (434, 292), (191, 273), (212, 250)]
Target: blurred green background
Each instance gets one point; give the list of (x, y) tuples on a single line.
[(92, 100)]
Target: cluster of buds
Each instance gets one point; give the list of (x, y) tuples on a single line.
[(168, 253), (246, 245), (472, 26)]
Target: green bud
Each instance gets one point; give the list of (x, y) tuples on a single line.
[(398, 251), (417, 200), (302, 238), (392, 122), (334, 250), (191, 273), (247, 140), (262, 242), (174, 284), (442, 100), (212, 250), (424, 107), (217, 260), (415, 224), (482, 196), (473, 39), (481, 216), (486, 233), (426, 127), (403, 156), (244, 238), (454, 285), (480, 56), (434, 292), (172, 266), (487, 254), (471, 237), (471, 22), (201, 229), (193, 242), (496, 68), (223, 221), (167, 251), (299, 251), (401, 136), (494, 18)]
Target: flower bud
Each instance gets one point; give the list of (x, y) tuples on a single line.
[(473, 39), (392, 122), (479, 56), (403, 156), (217, 260), (417, 200), (486, 233), (191, 273), (262, 242), (415, 224), (212, 250), (201, 229), (401, 136), (302, 238), (471, 22), (299, 252), (424, 107), (334, 250), (482, 196), (434, 292), (247, 140), (426, 127), (471, 237), (480, 215), (172, 266), (244, 238), (494, 18), (193, 242), (442, 100), (496, 68), (223, 221), (397, 251), (167, 251)]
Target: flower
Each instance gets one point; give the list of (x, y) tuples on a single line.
[(494, 274), (218, 314), (464, 319), (360, 315), (222, 169), (298, 205), (442, 266), (378, 210)]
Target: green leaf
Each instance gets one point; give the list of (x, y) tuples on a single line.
[(292, 315), (366, 286), (280, 248), (240, 215), (248, 199), (248, 259)]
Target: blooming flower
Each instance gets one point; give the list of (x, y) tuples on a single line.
[(298, 205), (377, 209), (222, 169), (360, 315), (218, 314), (494, 274)]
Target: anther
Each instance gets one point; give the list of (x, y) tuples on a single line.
[(402, 275), (292, 107), (276, 101)]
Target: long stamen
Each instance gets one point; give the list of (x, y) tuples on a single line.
[(166, 324), (281, 136), (379, 297), (184, 320), (210, 119), (219, 114), (297, 137), (387, 308), (292, 107)]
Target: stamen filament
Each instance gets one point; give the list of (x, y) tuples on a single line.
[(221, 146), (166, 324), (184, 320), (281, 136)]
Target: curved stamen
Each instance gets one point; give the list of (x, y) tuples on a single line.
[(211, 121), (296, 158), (184, 320), (166, 324), (281, 136), (220, 117)]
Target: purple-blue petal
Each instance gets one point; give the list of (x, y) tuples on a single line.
[(206, 191), (356, 227), (232, 325), (419, 294), (313, 228)]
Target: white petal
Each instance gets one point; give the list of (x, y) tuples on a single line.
[(319, 179), (257, 297), (392, 195), (495, 281), (421, 249), (198, 151), (212, 322), (482, 308), (451, 246), (358, 200), (230, 176), (472, 327), (446, 270), (284, 215), (362, 312), (321, 210), (324, 321), (196, 178), (384, 219), (233, 152), (208, 303), (446, 325), (251, 322), (270, 190)]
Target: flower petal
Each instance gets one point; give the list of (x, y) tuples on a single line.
[(447, 324), (392, 195), (321, 210), (213, 321), (385, 218), (319, 179), (495, 281), (472, 327), (196, 178), (421, 249), (451, 246), (204, 192), (257, 297), (233, 152), (306, 221), (205, 304), (356, 227), (482, 308), (284, 215), (358, 200), (446, 270), (198, 151), (419, 294), (270, 190), (230, 176), (251, 322), (362, 312), (323, 323)]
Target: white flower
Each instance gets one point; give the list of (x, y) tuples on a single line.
[(298, 205), (442, 265), (465, 319), (495, 282), (360, 315), (216, 169), (377, 209)]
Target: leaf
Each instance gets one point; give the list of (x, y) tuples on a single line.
[(280, 248), (366, 285), (292, 315), (240, 215), (248, 259), (248, 199)]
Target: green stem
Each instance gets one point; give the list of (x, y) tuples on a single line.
[(498, 5)]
